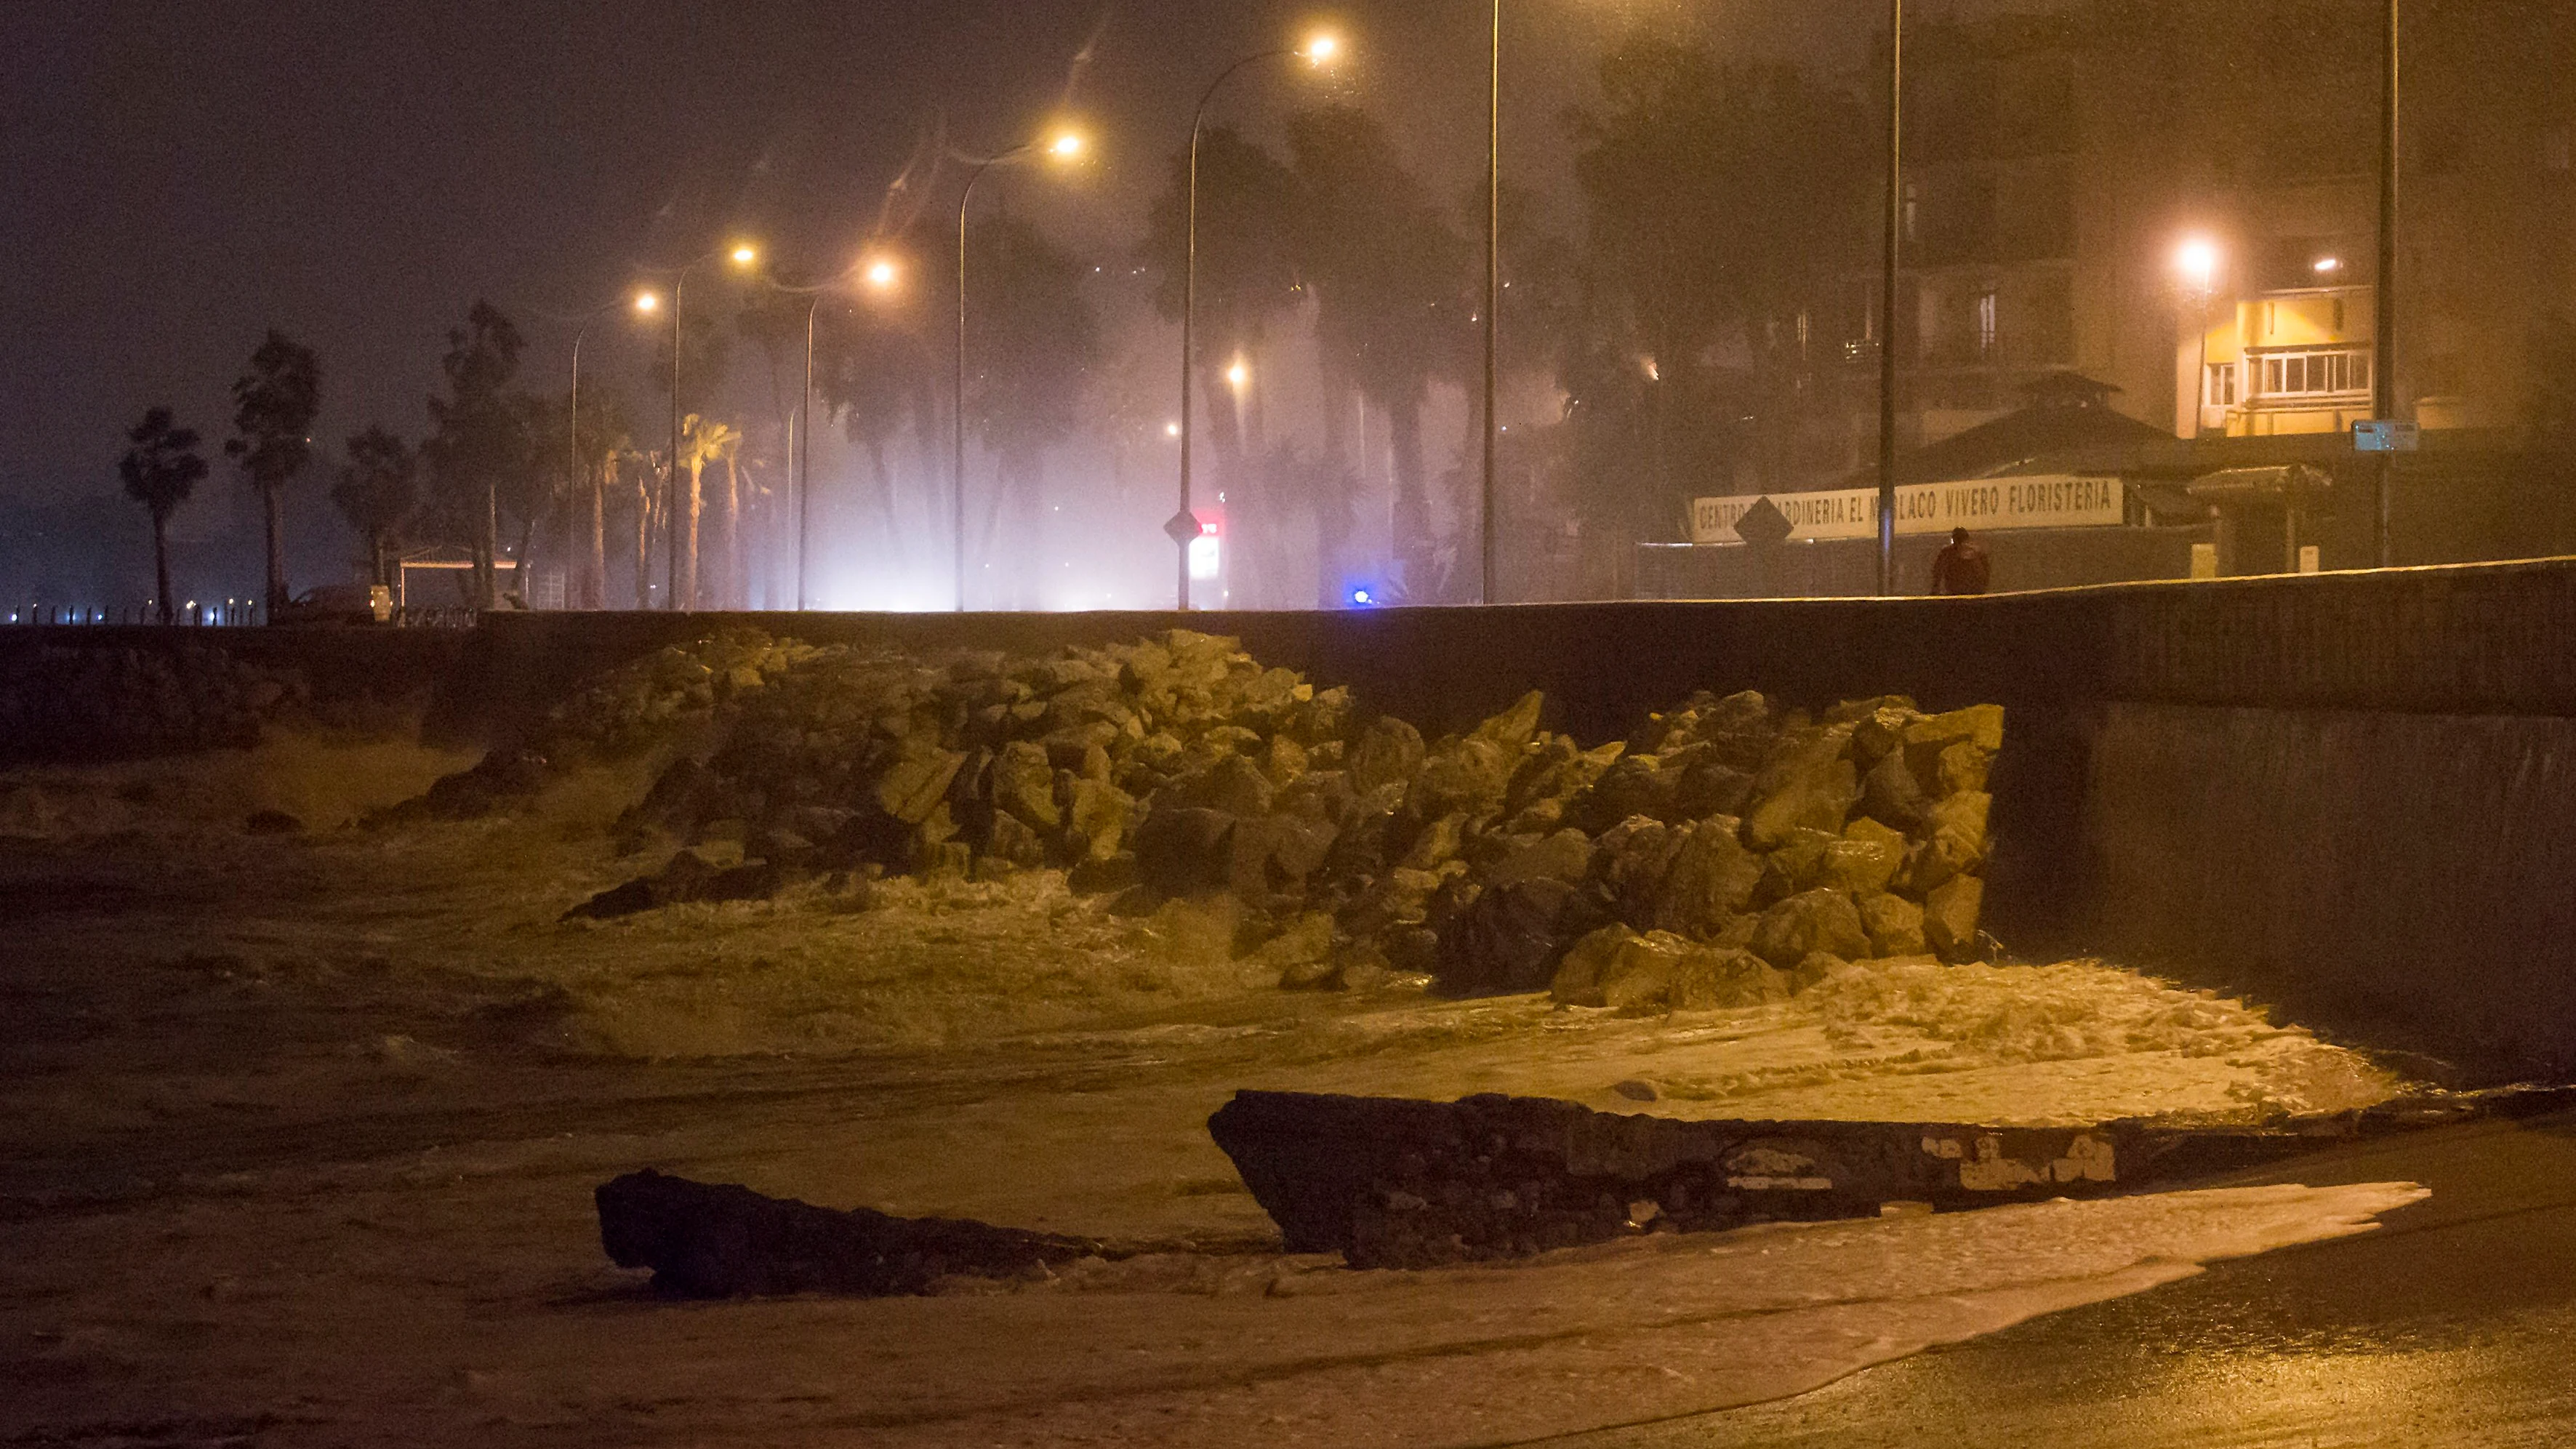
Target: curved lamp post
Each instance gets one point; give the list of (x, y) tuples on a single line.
[(878, 273), (1065, 146), (1317, 51)]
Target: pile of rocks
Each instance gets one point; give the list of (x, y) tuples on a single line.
[(1737, 852), (86, 703)]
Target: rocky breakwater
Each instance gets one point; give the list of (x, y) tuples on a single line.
[(1735, 851)]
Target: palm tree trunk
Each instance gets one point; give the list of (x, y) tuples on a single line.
[(737, 592), (644, 538), (161, 562), (277, 599), (1413, 542), (594, 584), (688, 540)]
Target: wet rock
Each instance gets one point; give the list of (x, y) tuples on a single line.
[(1859, 867), (1891, 795), (1717, 979), (689, 878), (1818, 920), (1635, 786), (1816, 968), (1388, 752), (1950, 918), (1957, 825), (1275, 855), (1709, 881), (1564, 855), (1894, 925), (1964, 768), (1022, 783), (1097, 814), (916, 784), (704, 1241), (1629, 864), (1797, 864), (1809, 781), (1507, 940), (1186, 850)]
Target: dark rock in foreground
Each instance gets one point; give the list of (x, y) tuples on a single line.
[(706, 1241), (1405, 1184)]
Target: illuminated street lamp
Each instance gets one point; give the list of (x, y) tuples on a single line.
[(1319, 50), (644, 304), (741, 254), (879, 274), (1066, 146), (2196, 263)]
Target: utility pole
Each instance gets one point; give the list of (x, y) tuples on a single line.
[(1493, 293), (1887, 297), (2384, 402)]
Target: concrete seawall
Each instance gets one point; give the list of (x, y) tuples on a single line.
[(2352, 795)]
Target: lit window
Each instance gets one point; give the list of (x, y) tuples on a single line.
[(1986, 335), (2219, 388), (2314, 374)]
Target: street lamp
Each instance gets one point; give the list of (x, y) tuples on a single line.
[(2196, 262), (1319, 50), (1894, 245), (880, 274), (741, 254), (644, 303), (1065, 146)]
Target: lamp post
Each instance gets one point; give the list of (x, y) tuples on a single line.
[(1493, 289), (1318, 51), (879, 274), (2198, 262), (741, 255), (1065, 147), (2384, 364), (1887, 297)]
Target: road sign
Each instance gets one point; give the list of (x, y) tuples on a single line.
[(1184, 528), (2386, 437), (1764, 523)]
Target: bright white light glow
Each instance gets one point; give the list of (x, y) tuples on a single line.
[(1238, 376), (646, 302), (1066, 146), (1322, 49), (1207, 557), (2198, 262), (882, 274), (745, 256), (1171, 430), (2329, 264)]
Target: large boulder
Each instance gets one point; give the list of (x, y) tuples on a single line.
[(1185, 850), (1023, 784), (1710, 880), (1809, 781), (1817, 920), (1893, 923), (1507, 939), (1629, 863), (1388, 752), (917, 782), (1950, 918), (1712, 978)]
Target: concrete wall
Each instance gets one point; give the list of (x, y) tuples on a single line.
[(2354, 795)]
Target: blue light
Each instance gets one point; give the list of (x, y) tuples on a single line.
[(1362, 598)]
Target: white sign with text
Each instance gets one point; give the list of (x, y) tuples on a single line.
[(2059, 500)]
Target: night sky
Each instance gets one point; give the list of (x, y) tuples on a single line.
[(181, 174)]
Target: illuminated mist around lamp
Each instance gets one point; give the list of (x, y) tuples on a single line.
[(2197, 262), (647, 302)]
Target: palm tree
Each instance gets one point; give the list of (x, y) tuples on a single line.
[(1035, 341), (1390, 278), (274, 404), (701, 442), (160, 471), (376, 492)]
